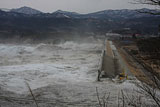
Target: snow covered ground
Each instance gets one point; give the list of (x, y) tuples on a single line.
[(65, 73)]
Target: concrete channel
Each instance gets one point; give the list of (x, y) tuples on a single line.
[(112, 64)]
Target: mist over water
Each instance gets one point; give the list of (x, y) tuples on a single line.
[(36, 63)]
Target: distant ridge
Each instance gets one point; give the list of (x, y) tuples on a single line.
[(105, 14), (66, 12), (28, 20), (121, 13), (26, 10), (5, 10)]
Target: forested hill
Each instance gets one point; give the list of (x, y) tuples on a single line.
[(28, 21)]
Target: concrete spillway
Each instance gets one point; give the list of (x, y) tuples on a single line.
[(109, 61), (112, 62)]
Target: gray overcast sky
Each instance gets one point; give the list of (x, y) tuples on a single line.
[(80, 6)]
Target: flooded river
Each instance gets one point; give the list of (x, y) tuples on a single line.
[(59, 75)]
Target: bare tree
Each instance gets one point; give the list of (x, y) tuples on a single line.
[(149, 2)]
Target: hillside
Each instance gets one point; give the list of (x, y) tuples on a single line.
[(27, 21), (26, 10)]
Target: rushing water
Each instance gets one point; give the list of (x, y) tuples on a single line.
[(59, 74)]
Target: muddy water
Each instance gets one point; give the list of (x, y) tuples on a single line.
[(59, 75)]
